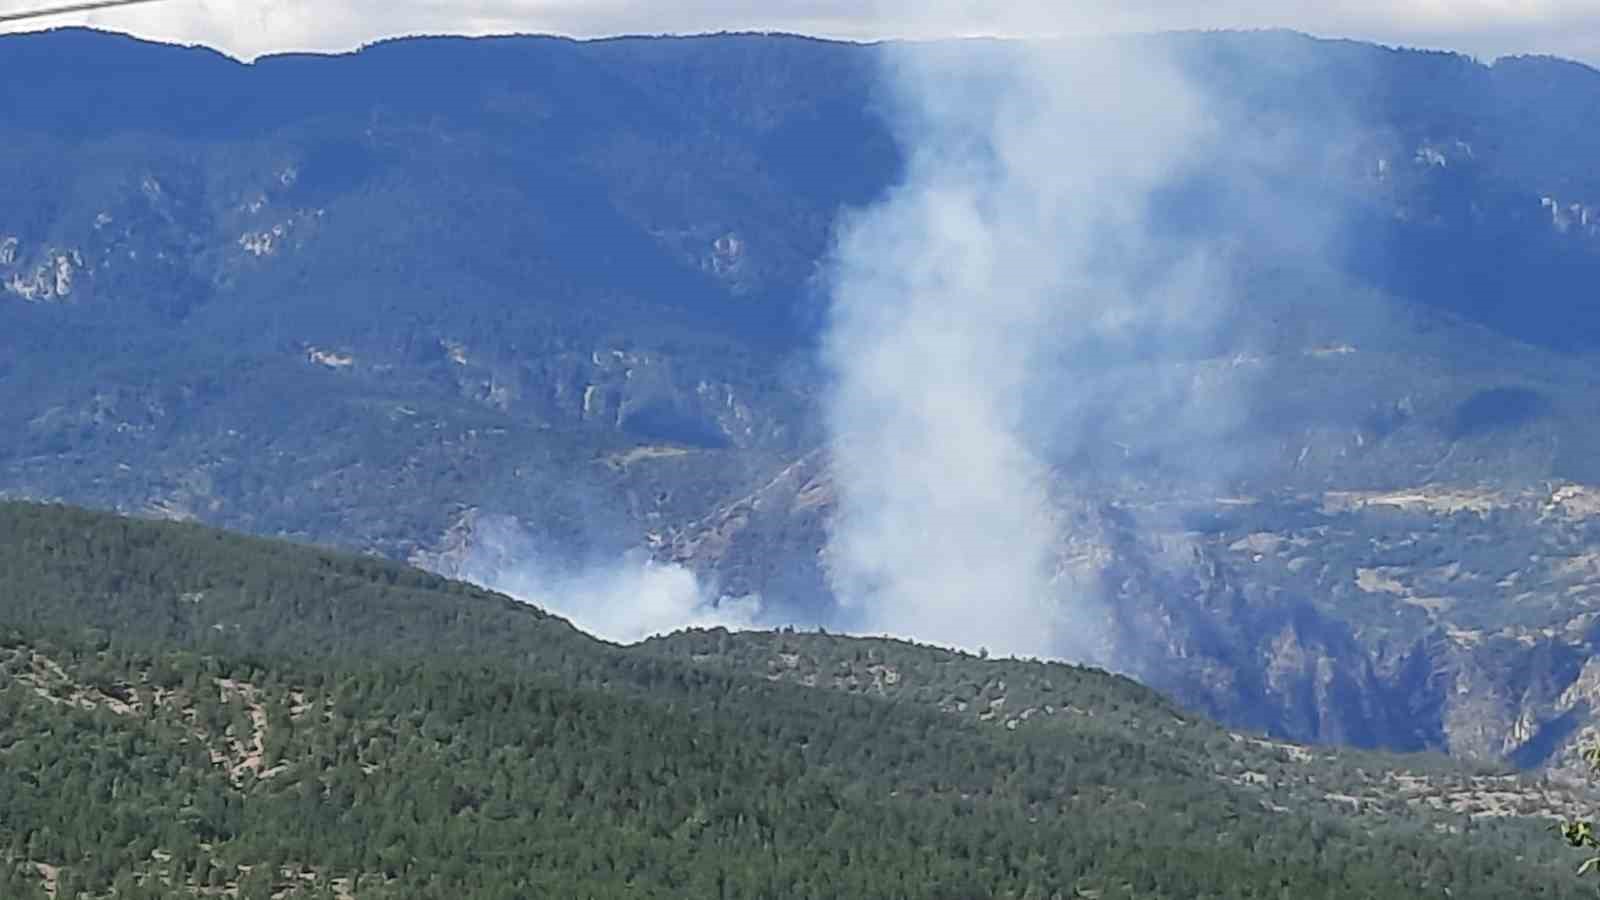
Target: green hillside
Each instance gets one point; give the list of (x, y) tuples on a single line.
[(185, 712)]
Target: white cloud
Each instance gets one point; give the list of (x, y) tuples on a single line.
[(1484, 27)]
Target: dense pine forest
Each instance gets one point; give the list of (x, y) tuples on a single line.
[(185, 712)]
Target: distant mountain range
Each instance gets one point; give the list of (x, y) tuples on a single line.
[(380, 300)]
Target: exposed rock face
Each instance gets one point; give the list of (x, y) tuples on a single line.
[(645, 394), (51, 279), (1246, 624)]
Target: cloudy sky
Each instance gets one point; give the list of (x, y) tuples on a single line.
[(248, 28)]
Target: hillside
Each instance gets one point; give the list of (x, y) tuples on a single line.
[(188, 712), (380, 299)]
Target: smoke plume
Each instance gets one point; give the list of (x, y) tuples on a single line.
[(624, 599), (987, 318)]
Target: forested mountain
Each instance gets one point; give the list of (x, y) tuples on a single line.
[(378, 300), (185, 712)]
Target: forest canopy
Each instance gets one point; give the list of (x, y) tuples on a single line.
[(185, 712)]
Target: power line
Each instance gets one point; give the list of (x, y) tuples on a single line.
[(69, 8)]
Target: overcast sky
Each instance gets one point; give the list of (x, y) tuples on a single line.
[(248, 28)]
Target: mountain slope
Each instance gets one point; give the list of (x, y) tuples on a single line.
[(150, 752)]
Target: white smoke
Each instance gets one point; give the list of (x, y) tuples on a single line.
[(624, 600), (1018, 239)]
